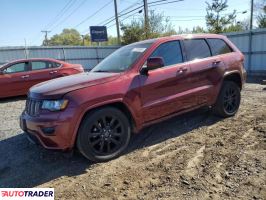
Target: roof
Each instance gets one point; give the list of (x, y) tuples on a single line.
[(33, 59), (182, 37)]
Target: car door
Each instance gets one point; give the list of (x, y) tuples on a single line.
[(163, 90), (14, 79), (205, 69), (41, 71)]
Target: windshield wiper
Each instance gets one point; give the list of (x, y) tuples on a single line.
[(101, 71)]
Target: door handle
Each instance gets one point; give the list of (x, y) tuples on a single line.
[(25, 76), (53, 72), (216, 63), (181, 70)]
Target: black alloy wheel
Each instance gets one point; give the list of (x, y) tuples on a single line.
[(104, 134), (228, 101)]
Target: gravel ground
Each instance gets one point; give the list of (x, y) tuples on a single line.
[(193, 156)]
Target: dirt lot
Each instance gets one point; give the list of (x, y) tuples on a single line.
[(193, 156)]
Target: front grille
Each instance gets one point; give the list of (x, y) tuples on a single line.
[(33, 107)]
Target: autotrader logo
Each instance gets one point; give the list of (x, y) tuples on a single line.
[(27, 193)]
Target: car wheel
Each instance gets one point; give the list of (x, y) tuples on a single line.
[(104, 134), (228, 101)]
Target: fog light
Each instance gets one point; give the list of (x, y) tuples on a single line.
[(48, 130)]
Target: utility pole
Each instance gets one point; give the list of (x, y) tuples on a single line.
[(46, 37), (146, 17), (83, 39), (117, 23), (251, 15)]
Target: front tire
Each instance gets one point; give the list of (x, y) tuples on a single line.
[(228, 101), (104, 134)]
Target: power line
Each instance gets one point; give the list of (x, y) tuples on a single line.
[(123, 19), (121, 12), (166, 2), (73, 11), (68, 5), (113, 17), (97, 11)]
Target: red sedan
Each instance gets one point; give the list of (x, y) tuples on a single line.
[(18, 76)]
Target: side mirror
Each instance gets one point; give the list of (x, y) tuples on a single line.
[(153, 63)]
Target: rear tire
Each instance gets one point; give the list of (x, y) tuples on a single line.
[(228, 101), (104, 134)]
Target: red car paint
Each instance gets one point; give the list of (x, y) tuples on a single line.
[(18, 82), (163, 93)]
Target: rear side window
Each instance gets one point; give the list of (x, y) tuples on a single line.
[(196, 49), (37, 65), (218, 46), (55, 65), (170, 52)]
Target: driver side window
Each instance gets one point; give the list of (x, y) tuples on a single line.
[(170, 52), (18, 67)]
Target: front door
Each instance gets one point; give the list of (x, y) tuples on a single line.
[(14, 79), (163, 90)]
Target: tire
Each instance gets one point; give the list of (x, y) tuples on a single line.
[(228, 101), (104, 134)]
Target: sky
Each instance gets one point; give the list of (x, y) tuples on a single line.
[(21, 21)]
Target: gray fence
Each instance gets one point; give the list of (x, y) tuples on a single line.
[(87, 56), (253, 45)]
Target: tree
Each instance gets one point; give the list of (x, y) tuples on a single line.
[(261, 17), (67, 37), (216, 19), (198, 29), (158, 26)]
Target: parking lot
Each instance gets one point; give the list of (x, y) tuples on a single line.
[(193, 156)]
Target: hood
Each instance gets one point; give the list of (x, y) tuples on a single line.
[(56, 88)]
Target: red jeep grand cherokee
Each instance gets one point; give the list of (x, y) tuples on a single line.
[(138, 85)]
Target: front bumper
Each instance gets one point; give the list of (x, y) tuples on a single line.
[(52, 133)]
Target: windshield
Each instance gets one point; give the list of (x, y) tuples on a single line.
[(122, 58)]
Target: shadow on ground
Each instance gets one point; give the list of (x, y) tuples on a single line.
[(23, 164), (12, 99)]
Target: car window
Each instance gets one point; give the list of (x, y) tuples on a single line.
[(18, 67), (170, 52), (218, 46), (122, 59), (37, 65), (54, 65), (196, 49)]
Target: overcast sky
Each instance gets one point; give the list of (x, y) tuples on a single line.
[(22, 20)]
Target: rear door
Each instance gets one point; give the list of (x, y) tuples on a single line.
[(163, 90), (205, 69), (42, 71), (15, 79)]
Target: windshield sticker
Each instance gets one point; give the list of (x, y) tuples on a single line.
[(139, 50)]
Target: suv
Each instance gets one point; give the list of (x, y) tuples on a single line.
[(137, 85)]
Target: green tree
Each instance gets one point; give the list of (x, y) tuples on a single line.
[(198, 29), (158, 26), (216, 19), (261, 18), (67, 37)]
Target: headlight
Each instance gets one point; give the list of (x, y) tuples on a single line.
[(54, 105)]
